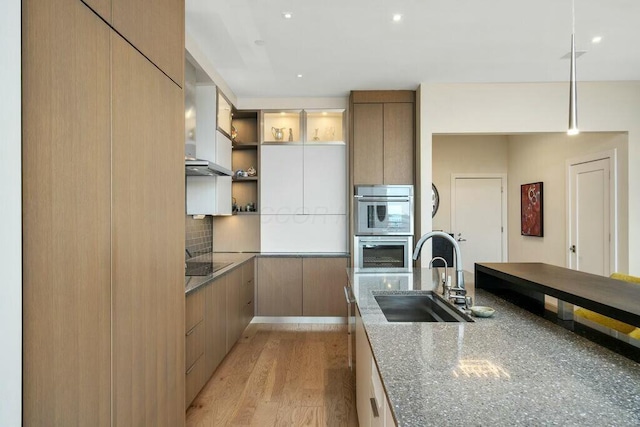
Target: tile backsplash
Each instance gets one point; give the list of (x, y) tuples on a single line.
[(199, 235)]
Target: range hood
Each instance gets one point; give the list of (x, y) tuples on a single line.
[(197, 167)]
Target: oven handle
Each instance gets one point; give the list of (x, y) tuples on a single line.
[(382, 199)]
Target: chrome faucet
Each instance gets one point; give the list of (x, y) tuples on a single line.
[(445, 289), (459, 291)]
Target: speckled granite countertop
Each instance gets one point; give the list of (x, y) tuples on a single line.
[(513, 369), (191, 283)]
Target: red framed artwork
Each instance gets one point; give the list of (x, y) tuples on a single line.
[(531, 209)]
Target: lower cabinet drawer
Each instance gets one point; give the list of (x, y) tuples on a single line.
[(194, 344), (195, 380)]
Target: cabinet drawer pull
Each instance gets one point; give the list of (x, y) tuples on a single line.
[(374, 407), (191, 368), (191, 331)]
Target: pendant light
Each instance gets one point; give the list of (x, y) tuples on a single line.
[(573, 92)]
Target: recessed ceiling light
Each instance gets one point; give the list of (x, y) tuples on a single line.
[(397, 17), (596, 39), (299, 76), (287, 15)]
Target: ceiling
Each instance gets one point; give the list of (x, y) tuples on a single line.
[(343, 45)]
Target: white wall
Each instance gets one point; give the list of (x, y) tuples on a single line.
[(10, 216), (455, 154), (542, 157), (513, 108)]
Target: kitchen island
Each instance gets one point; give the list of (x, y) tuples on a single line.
[(512, 369)]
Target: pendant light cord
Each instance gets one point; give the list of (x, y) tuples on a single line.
[(573, 16)]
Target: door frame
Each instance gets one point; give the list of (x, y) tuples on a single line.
[(612, 156), (505, 222)]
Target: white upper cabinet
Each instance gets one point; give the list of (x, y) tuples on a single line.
[(205, 131), (281, 182), (324, 177)]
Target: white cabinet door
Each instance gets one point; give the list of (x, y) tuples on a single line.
[(325, 177), (206, 122), (303, 233), (223, 150), (281, 180)]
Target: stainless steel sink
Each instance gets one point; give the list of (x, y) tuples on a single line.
[(423, 307)]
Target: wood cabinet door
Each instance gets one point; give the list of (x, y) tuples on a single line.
[(155, 28), (194, 309), (101, 7), (235, 306), (147, 242), (323, 281), (399, 143), (66, 203), (279, 286), (248, 279), (368, 137), (215, 324), (363, 373)]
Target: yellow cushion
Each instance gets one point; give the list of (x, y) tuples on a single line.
[(605, 321), (626, 278), (608, 322), (635, 333)]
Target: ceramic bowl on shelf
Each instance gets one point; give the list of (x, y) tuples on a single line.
[(482, 311)]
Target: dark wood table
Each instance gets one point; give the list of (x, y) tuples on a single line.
[(614, 298)]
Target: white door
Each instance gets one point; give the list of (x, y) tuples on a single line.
[(478, 219), (589, 216)]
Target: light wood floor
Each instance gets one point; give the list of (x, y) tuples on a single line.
[(281, 375)]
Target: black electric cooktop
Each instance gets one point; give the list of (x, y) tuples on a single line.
[(204, 268)]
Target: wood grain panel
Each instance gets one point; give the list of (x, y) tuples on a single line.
[(147, 242), (194, 345), (235, 306), (156, 28), (279, 286), (194, 309), (367, 144), (378, 96), (66, 165), (194, 380), (323, 282), (215, 325), (237, 233), (101, 7), (248, 280), (399, 143)]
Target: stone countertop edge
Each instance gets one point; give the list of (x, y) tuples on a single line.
[(192, 283), (514, 368)]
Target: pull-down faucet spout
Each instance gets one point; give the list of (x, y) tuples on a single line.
[(456, 247)]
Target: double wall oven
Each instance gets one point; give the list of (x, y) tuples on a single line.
[(383, 227)]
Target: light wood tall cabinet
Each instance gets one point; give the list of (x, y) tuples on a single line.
[(103, 205), (66, 216), (383, 137), (156, 28), (147, 239)]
